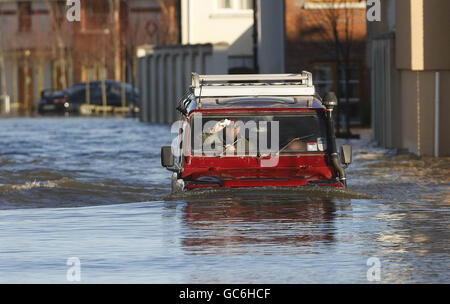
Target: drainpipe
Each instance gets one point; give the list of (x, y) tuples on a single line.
[(179, 27), (255, 37), (436, 114)]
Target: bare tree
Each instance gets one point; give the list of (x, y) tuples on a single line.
[(332, 25), (137, 31), (168, 25), (130, 40), (60, 32), (2, 60)]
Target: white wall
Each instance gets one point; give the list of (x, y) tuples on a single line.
[(203, 22)]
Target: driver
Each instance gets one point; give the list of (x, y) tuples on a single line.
[(232, 139)]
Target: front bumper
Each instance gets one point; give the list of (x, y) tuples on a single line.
[(236, 183)]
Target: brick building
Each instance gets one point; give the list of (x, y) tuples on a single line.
[(311, 30), (40, 48)]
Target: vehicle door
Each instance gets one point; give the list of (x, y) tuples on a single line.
[(95, 91), (114, 94)]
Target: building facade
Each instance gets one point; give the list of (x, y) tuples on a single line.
[(221, 21), (41, 49), (410, 71), (328, 38)]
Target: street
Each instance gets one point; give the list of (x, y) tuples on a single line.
[(128, 228)]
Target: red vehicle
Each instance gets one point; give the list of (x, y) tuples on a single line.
[(257, 130)]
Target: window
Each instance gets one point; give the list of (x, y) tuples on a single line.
[(224, 4), (234, 5), (115, 89), (24, 13), (353, 83), (323, 79), (245, 4), (252, 135)]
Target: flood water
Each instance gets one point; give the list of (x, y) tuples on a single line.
[(94, 189)]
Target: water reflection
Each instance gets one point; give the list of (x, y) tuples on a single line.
[(236, 224), (396, 209)]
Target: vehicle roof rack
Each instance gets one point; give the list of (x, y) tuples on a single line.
[(253, 85)]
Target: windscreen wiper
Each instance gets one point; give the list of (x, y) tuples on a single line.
[(297, 138)]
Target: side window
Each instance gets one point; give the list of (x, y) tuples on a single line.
[(78, 94), (180, 141), (95, 91), (115, 89)]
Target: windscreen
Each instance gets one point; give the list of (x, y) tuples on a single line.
[(258, 135)]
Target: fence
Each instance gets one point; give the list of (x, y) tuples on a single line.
[(165, 75)]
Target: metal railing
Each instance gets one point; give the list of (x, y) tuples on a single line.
[(253, 85)]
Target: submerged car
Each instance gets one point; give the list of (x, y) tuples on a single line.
[(262, 130), (70, 99)]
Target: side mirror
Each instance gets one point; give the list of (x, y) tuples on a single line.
[(346, 154), (167, 157)]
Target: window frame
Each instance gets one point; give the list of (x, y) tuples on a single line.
[(189, 137), (341, 81), (233, 10), (354, 103), (331, 82)]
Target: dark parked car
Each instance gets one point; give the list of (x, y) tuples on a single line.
[(71, 99), (52, 102)]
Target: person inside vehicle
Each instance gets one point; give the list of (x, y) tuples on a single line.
[(295, 146), (229, 140)]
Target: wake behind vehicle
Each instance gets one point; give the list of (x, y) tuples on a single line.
[(255, 131)]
